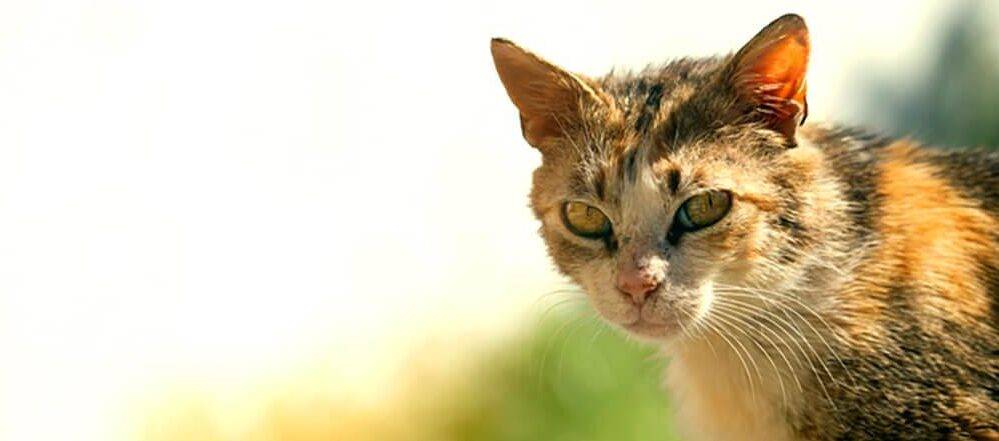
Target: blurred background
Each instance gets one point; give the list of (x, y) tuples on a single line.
[(307, 220)]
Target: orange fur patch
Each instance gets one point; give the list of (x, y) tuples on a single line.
[(932, 237)]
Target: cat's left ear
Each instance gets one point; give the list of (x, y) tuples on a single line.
[(768, 74), (549, 98)]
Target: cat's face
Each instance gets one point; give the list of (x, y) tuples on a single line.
[(650, 230), (658, 190)]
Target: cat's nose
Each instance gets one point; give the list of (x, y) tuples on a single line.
[(637, 284)]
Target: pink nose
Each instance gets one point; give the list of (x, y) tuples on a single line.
[(637, 284)]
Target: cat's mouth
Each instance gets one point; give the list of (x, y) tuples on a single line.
[(663, 317)]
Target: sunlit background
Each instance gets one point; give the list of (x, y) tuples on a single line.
[(307, 220)]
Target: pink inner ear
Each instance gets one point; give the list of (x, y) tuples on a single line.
[(773, 76)]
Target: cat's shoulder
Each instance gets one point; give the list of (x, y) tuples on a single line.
[(859, 155)]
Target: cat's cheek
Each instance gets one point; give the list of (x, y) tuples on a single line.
[(591, 269), (763, 260), (747, 243), (569, 256), (609, 303)]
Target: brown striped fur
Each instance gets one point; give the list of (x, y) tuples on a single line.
[(851, 292)]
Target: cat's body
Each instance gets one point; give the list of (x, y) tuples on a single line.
[(809, 283), (915, 351)]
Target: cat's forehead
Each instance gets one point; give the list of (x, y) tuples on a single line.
[(646, 100), (662, 125), (654, 170), (646, 165)]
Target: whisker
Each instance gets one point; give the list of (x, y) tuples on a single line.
[(745, 367), (552, 307), (722, 311), (751, 308), (729, 289), (548, 347), (722, 322), (578, 324)]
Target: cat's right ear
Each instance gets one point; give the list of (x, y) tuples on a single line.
[(768, 73), (549, 98)]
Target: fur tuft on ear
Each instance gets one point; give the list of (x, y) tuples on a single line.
[(768, 73), (548, 98)]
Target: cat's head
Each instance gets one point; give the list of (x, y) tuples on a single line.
[(658, 189)]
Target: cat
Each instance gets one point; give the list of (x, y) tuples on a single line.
[(808, 282)]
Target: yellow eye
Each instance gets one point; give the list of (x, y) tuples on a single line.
[(586, 221), (704, 210)]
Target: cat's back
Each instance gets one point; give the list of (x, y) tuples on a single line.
[(974, 172), (860, 158)]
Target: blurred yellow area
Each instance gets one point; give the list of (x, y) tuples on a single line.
[(303, 403), (305, 408), (565, 377), (521, 389)]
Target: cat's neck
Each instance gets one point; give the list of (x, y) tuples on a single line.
[(726, 390)]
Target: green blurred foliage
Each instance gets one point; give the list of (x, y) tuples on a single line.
[(572, 378)]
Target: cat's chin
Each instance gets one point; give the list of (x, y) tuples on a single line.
[(652, 331)]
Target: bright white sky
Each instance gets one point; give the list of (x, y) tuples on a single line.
[(219, 189)]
